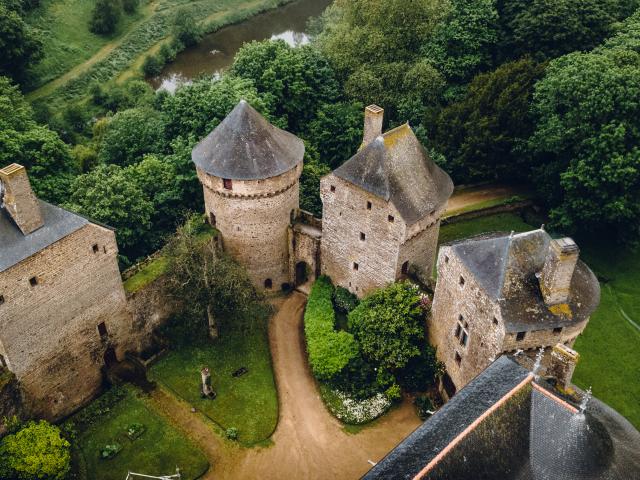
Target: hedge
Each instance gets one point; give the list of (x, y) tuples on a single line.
[(329, 350)]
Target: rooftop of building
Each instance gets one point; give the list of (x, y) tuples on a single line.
[(396, 167), (505, 266), (245, 146), (505, 425), (16, 247)]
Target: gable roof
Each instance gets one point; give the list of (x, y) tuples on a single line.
[(506, 265), (245, 146), (397, 168), (16, 247)]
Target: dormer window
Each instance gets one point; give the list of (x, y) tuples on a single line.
[(227, 184)]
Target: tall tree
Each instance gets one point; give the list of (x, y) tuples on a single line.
[(20, 45), (105, 16)]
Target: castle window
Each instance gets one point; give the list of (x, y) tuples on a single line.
[(458, 359), (333, 188), (368, 205), (461, 281), (557, 330), (464, 339), (102, 330), (1, 299), (212, 219), (462, 331), (458, 331), (405, 268), (355, 266), (268, 283), (33, 281), (95, 248), (495, 321), (104, 249), (446, 259), (390, 218), (520, 336), (362, 236), (227, 184)]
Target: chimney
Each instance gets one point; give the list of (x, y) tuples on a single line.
[(18, 198), (562, 365), (373, 116), (555, 278)]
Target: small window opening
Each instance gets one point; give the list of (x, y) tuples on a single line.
[(95, 248), (212, 219), (495, 321), (458, 359), (460, 318), (333, 188), (464, 339), (405, 268), (268, 283), (362, 236), (368, 205), (227, 184), (446, 259), (3, 362), (520, 336), (355, 266), (102, 330), (1, 299), (557, 330), (458, 331), (461, 281), (292, 215), (390, 218), (33, 281)]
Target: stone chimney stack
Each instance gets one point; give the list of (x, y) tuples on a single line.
[(555, 278), (562, 364), (373, 117), (19, 200)]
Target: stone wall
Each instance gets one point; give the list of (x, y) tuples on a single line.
[(420, 252), (253, 218), (49, 334), (305, 248)]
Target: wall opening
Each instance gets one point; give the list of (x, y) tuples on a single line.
[(301, 273), (33, 281), (3, 362), (268, 284), (520, 336), (292, 216), (212, 219), (405, 268), (102, 330), (1, 299), (95, 248), (448, 385), (110, 358), (227, 183)]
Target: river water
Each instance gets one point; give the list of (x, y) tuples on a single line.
[(216, 51)]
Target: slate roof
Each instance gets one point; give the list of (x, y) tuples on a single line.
[(15, 247), (530, 434), (245, 146), (397, 168), (506, 265)]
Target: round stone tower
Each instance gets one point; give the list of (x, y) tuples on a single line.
[(249, 170)]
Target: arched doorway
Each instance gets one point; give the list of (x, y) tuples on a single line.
[(110, 358), (301, 273)]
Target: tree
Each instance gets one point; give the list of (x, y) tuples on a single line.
[(312, 172), (209, 284), (111, 195), (36, 452), (130, 6), (185, 28), (131, 134), (38, 149), (105, 16), (484, 134), (389, 325), (587, 136), (20, 45), (296, 81)]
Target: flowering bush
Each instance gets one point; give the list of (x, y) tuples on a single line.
[(111, 450), (350, 410)]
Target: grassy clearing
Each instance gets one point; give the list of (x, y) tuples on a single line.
[(493, 202), (249, 402), (157, 452), (609, 346)]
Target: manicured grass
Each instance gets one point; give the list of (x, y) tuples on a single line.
[(610, 345), (494, 202), (157, 452), (249, 402)]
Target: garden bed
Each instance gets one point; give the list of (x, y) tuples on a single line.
[(352, 411)]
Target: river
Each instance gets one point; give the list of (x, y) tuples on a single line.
[(215, 52)]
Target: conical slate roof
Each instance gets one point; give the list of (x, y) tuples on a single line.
[(397, 168), (245, 146)]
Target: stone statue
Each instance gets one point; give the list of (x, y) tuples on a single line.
[(206, 389)]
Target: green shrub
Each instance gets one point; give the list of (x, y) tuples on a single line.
[(329, 351), (357, 379), (105, 16), (421, 372), (130, 6), (167, 52), (424, 405), (393, 393), (344, 300), (232, 433), (152, 66)]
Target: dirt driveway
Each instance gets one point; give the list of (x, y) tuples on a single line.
[(309, 443)]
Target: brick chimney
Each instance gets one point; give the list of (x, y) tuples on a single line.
[(19, 200), (562, 364), (555, 278), (373, 116)]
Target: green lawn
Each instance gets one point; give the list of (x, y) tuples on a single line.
[(248, 403), (610, 346), (157, 452)]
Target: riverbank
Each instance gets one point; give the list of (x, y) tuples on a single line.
[(118, 55)]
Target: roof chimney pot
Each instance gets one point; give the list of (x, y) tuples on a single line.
[(373, 117), (19, 200), (557, 272)]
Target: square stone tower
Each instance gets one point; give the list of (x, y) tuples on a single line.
[(382, 209)]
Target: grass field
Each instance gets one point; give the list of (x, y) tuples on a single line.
[(610, 345), (248, 403), (157, 452)]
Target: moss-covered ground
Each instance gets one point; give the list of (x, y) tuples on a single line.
[(610, 346)]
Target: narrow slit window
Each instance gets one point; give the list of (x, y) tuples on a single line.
[(495, 321), (102, 330), (458, 359), (355, 266), (461, 281), (446, 259), (95, 247), (368, 205), (405, 268), (362, 236), (458, 331), (464, 339)]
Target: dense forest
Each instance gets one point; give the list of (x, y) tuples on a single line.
[(539, 92)]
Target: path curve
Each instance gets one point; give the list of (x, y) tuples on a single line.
[(309, 442)]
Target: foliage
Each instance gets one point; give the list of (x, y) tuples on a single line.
[(231, 433), (421, 371), (329, 351), (484, 134), (393, 393), (91, 414), (152, 65), (389, 326), (358, 379), (344, 300), (110, 450), (105, 17), (587, 134), (312, 172), (353, 411), (20, 45), (424, 406), (185, 27), (130, 6), (295, 80), (37, 451)]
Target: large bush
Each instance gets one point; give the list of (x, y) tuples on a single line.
[(329, 350)]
